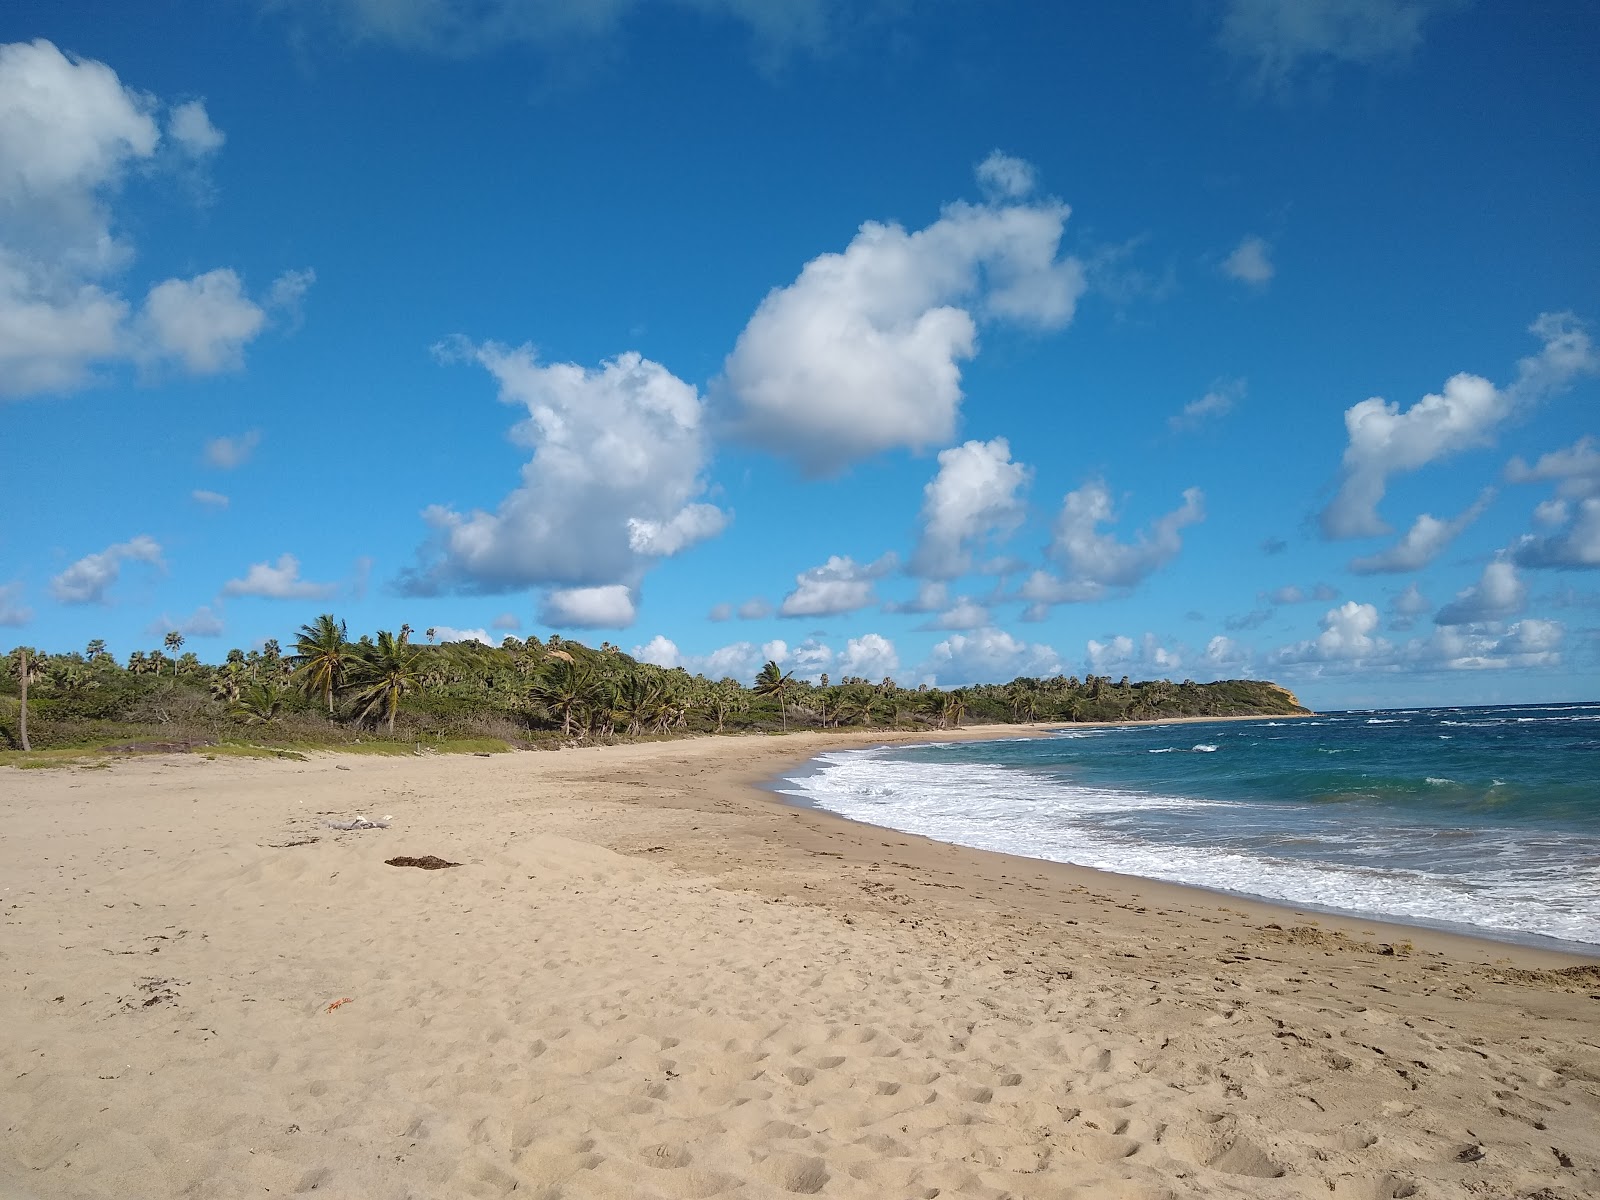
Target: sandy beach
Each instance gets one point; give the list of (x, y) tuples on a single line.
[(649, 978)]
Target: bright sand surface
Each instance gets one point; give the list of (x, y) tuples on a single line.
[(650, 979)]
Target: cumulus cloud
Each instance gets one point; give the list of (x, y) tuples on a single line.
[(449, 633), (208, 498), (1575, 467), (966, 613), (1347, 637), (204, 622), (1250, 262), (1218, 402), (87, 580), (70, 132), (1577, 545), (972, 500), (932, 596), (1385, 441), (1407, 606), (614, 483), (610, 606), (1422, 543), (13, 612), (1278, 37), (1498, 594), (1224, 654), (1121, 655), (862, 353), (870, 656), (659, 650), (1006, 177), (754, 609), (840, 585), (988, 656), (278, 581), (226, 453), (1093, 563)]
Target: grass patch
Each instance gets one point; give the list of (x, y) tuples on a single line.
[(250, 750), (34, 760)]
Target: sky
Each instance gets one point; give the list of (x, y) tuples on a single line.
[(936, 339)]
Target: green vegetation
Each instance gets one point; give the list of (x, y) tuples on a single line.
[(385, 694)]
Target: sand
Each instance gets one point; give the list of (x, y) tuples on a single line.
[(649, 979)]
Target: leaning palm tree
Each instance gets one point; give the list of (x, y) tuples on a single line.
[(380, 674), (774, 682), (322, 656), (568, 691)]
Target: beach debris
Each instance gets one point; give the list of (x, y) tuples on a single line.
[(428, 862), (342, 1000), (360, 822)]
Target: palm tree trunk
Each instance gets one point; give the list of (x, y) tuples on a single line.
[(23, 721), (394, 703)]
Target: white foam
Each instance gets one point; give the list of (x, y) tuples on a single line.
[(1202, 749)]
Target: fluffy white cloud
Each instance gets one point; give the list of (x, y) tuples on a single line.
[(1218, 402), (1250, 262), (1528, 643), (1093, 562), (840, 585), (966, 613), (1577, 467), (1006, 177), (1384, 441), (610, 606), (863, 352), (1346, 637), (208, 498), (971, 500), (1576, 546), (278, 581), (1223, 654), (449, 633), (69, 133), (988, 656), (226, 453), (660, 650), (1498, 594), (614, 482), (1121, 655), (871, 656), (13, 612), (1422, 543), (87, 580), (1407, 606), (932, 596), (1278, 36)]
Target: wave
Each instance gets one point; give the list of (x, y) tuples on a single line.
[(1388, 720), (1203, 749), (1439, 780)]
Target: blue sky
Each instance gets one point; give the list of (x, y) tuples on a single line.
[(943, 340)]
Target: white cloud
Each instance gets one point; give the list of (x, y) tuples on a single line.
[(205, 321), (1384, 441), (610, 606), (1224, 654), (1279, 36), (190, 126), (988, 656), (662, 651), (1121, 655), (840, 585), (932, 596), (966, 613), (614, 482), (1005, 177), (871, 656), (862, 352), (448, 633), (208, 498), (1528, 644), (1576, 546), (69, 133), (1407, 606), (278, 581), (971, 500), (1577, 467), (1551, 513), (87, 580), (1218, 402), (1094, 562), (1250, 262), (1422, 543), (1346, 637), (1498, 594), (755, 609), (226, 453), (13, 612)]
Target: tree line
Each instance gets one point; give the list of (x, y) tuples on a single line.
[(329, 687)]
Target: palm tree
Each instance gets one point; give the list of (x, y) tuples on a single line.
[(381, 673), (322, 655), (258, 705), (726, 697), (96, 650), (567, 690), (28, 665), (174, 643), (773, 682)]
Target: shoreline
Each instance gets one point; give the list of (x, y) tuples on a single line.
[(1478, 946), (646, 977)]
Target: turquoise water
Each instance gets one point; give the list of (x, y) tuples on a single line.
[(1485, 820)]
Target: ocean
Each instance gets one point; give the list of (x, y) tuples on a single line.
[(1477, 820)]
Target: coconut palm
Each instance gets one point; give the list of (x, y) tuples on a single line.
[(380, 674), (322, 657), (174, 643), (257, 705), (96, 650), (568, 690), (774, 682), (725, 697), (27, 664)]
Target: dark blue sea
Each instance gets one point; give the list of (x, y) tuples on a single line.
[(1480, 820)]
